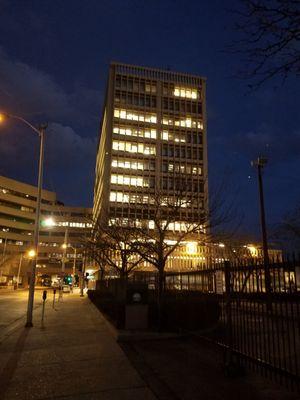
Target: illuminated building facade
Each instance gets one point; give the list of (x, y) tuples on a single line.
[(152, 138), (17, 216)]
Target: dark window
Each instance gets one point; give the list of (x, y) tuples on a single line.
[(152, 165), (130, 84), (151, 182)]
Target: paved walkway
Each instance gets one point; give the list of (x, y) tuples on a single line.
[(74, 357), (13, 306)]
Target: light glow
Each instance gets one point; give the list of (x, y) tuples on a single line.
[(31, 253), (191, 247), (253, 250), (48, 222)]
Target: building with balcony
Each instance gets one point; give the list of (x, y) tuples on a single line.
[(152, 139), (59, 223)]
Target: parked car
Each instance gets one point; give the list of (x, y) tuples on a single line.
[(66, 289)]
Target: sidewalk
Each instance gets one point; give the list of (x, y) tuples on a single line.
[(74, 357)]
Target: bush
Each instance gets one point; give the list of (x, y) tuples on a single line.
[(182, 310)]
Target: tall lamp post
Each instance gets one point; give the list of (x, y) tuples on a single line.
[(259, 164), (41, 132)]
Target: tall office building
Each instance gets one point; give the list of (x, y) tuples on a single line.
[(152, 138)]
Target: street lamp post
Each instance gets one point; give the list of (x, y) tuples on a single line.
[(259, 164), (41, 132), (19, 269)]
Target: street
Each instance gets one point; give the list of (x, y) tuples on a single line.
[(13, 306)]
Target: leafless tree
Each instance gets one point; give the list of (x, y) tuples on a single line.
[(270, 39), (169, 225), (112, 246), (287, 232), (291, 223)]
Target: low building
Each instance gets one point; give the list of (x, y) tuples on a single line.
[(59, 224)]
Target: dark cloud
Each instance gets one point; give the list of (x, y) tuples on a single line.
[(35, 95), (266, 140)]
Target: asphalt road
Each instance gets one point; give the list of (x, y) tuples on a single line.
[(13, 306)]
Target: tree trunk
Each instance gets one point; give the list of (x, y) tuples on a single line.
[(160, 297), (101, 274)]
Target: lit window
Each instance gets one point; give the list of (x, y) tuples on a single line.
[(133, 147), (151, 224), (129, 180), (151, 133), (165, 135), (189, 93), (124, 114)]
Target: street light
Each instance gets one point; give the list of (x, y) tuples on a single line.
[(41, 132), (259, 164)]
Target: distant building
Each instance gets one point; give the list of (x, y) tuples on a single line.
[(152, 137), (17, 216)]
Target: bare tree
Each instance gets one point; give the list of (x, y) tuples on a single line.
[(287, 232), (291, 223), (169, 225), (270, 39), (112, 245)]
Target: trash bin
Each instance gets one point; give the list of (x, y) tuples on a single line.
[(136, 310)]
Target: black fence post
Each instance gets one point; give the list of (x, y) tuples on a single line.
[(228, 356)]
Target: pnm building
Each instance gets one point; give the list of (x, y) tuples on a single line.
[(152, 138)]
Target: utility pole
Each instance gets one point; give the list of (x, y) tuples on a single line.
[(74, 266), (82, 276), (29, 324), (65, 246), (41, 133), (3, 256), (259, 164), (19, 269)]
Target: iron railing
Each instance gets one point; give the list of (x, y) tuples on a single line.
[(257, 327)]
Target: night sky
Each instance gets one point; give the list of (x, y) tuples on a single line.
[(54, 58)]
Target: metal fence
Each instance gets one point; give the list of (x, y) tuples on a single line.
[(258, 326)]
